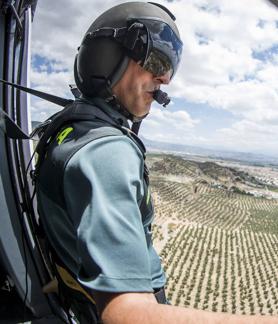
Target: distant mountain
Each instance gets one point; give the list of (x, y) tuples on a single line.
[(246, 157)]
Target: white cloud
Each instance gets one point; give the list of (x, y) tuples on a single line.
[(41, 109), (230, 62), (249, 99), (269, 75), (55, 83), (233, 34), (249, 136), (167, 125)]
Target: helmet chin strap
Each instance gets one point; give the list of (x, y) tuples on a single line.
[(136, 126)]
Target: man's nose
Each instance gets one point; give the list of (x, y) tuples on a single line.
[(165, 78)]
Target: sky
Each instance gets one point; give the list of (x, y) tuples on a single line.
[(225, 93)]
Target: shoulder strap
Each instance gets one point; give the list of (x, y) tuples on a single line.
[(78, 111), (12, 130), (43, 95), (52, 125), (69, 114)]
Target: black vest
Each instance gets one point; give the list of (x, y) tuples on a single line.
[(77, 125), (67, 132)]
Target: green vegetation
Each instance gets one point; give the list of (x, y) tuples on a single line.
[(219, 246)]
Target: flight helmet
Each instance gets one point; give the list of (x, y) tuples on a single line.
[(144, 32)]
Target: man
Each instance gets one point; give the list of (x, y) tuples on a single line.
[(93, 193)]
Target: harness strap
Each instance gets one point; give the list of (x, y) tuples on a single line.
[(74, 289), (71, 282), (72, 295), (73, 113), (46, 96)]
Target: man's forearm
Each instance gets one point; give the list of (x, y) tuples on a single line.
[(162, 314), (138, 311)]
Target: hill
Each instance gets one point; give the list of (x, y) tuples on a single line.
[(218, 245), (206, 172)]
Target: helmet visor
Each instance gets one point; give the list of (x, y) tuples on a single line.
[(165, 48)]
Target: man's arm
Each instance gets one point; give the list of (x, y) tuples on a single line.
[(138, 308)]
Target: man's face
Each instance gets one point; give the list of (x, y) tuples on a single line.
[(135, 88)]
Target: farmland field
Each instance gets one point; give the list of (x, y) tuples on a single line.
[(216, 230)]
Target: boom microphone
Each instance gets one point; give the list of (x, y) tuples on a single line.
[(161, 97)]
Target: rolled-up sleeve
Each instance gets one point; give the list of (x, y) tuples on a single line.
[(103, 187)]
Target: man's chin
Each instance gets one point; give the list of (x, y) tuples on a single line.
[(142, 110), (145, 111)]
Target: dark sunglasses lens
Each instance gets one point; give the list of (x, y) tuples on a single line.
[(157, 64)]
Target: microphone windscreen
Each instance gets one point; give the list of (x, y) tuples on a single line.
[(161, 97)]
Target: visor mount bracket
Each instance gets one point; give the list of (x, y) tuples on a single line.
[(132, 35)]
